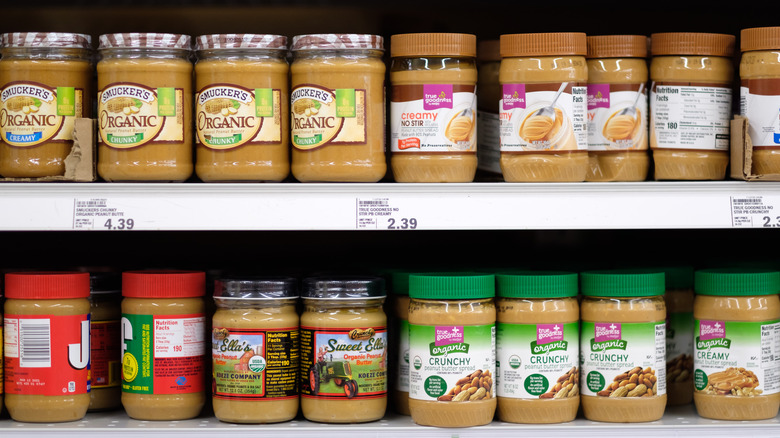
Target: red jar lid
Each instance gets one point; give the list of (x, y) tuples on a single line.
[(49, 285), (163, 284)]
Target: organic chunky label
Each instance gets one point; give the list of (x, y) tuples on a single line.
[(679, 347), (452, 363), (689, 116), (760, 103), (163, 354), (32, 113), (543, 117), (617, 117), (344, 363), (402, 361), (537, 360), (106, 356), (433, 118), (736, 358), (131, 115), (46, 354), (623, 359), (229, 116), (321, 116), (255, 364)]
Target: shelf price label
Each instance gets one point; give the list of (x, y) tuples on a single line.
[(383, 214), (100, 214), (755, 211)]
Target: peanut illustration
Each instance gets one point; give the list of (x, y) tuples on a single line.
[(473, 387), (738, 382), (566, 386), (679, 369), (125, 105), (636, 382)]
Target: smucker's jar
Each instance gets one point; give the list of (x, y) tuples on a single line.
[(679, 334), (241, 108), (144, 107), (46, 83), (488, 93), (543, 107), (690, 107), (433, 108), (337, 104), (104, 331)]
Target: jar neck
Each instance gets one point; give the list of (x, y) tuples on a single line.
[(432, 63), (145, 52), (241, 54), (338, 53), (46, 53), (254, 304), (326, 305)]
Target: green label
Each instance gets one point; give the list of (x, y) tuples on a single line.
[(166, 106), (617, 344), (712, 343), (124, 139), (137, 358), (449, 349), (224, 141), (264, 102), (536, 384), (345, 103), (66, 101), (307, 141)]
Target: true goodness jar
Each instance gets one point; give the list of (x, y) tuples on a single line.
[(543, 107), (737, 333), (433, 107), (679, 334), (241, 108), (690, 104), (488, 94), (144, 103)]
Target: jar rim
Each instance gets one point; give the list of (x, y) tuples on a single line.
[(61, 40), (145, 40)]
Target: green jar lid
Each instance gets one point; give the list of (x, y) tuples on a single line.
[(452, 286), (623, 283), (536, 284), (399, 282), (737, 282), (678, 277)]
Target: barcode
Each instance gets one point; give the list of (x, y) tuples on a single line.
[(756, 200), (34, 343), (375, 202)]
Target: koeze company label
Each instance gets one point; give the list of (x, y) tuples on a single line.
[(533, 358), (46, 354), (131, 115), (736, 358), (446, 361), (229, 116), (33, 113), (690, 116), (759, 102), (616, 355), (321, 116), (617, 117)]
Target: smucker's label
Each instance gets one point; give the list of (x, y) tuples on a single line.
[(229, 116), (322, 116), (33, 113)]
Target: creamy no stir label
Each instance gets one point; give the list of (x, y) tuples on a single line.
[(689, 116), (33, 113), (321, 116), (760, 103), (228, 116), (617, 117)]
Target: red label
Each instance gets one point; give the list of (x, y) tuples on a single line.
[(408, 143), (104, 341)]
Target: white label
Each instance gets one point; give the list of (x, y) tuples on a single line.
[(763, 114), (754, 211), (11, 337), (179, 337), (690, 117), (488, 142), (617, 117)]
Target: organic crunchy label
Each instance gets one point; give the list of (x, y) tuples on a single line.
[(33, 113), (617, 117), (759, 104), (689, 116), (229, 116), (402, 361), (679, 347), (106, 365), (321, 116)]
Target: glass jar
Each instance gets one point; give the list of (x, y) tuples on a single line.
[(343, 349), (543, 107), (433, 108), (737, 315), (617, 108), (679, 334), (255, 351), (691, 76), (241, 107), (488, 93), (623, 342), (400, 287), (144, 107), (104, 333), (338, 108), (46, 83)]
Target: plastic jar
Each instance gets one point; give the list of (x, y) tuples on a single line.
[(144, 107), (537, 339), (691, 76), (163, 344), (241, 108), (488, 93), (679, 334), (338, 108), (452, 349), (46, 331), (544, 70), (46, 83), (623, 340), (104, 332), (617, 108), (400, 287), (433, 107), (343, 349), (255, 331), (737, 315), (759, 72)]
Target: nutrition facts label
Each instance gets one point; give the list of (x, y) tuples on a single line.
[(690, 117)]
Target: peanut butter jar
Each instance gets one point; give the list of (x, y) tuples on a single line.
[(105, 352), (617, 108), (543, 107), (241, 108), (488, 93), (144, 107), (679, 334), (433, 108), (690, 107), (338, 108), (46, 84)]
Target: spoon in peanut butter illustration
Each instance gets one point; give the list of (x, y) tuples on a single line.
[(631, 110), (549, 111)]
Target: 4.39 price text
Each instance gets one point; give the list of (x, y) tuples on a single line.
[(119, 224)]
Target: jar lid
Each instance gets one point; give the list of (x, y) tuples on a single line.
[(489, 50), (692, 43), (617, 46), (737, 282), (241, 41), (47, 39), (145, 40), (163, 284), (537, 284), (343, 287), (759, 38), (544, 44), (256, 288), (622, 283), (452, 286), (399, 282), (47, 285), (433, 44), (337, 41), (678, 277), (103, 283)]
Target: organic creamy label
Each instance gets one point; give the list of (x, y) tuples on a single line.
[(321, 116), (617, 117), (33, 113), (760, 103), (689, 116), (229, 116)]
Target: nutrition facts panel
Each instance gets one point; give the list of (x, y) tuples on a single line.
[(691, 117)]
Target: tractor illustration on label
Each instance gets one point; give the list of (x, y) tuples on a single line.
[(340, 372)]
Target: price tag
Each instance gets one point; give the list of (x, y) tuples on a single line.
[(383, 214), (99, 214), (754, 211)]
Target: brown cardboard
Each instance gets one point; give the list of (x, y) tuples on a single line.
[(742, 153)]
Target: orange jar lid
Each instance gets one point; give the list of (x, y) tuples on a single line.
[(47, 285), (543, 44), (692, 43), (163, 284), (489, 50), (433, 44), (617, 46), (760, 38)]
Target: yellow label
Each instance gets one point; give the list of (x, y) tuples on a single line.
[(129, 367), (33, 113), (321, 116), (229, 116)]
